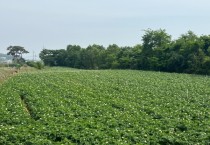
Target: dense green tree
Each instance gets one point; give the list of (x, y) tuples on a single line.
[(124, 57), (174, 62), (154, 44), (92, 57), (59, 57), (205, 40), (155, 39), (135, 57), (187, 54), (73, 56), (112, 52), (189, 47), (48, 57)]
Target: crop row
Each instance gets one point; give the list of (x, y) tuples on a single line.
[(105, 107)]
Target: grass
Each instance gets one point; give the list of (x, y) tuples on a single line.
[(7, 72), (68, 106)]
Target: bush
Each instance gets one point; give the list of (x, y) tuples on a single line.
[(37, 64), (40, 65)]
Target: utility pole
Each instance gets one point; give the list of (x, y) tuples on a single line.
[(33, 56)]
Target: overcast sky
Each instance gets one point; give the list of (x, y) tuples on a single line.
[(54, 24)]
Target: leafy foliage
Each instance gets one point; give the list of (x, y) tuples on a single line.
[(17, 52), (188, 54), (63, 106), (37, 64)]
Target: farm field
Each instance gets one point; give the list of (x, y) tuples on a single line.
[(69, 106)]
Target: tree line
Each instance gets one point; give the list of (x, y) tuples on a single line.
[(158, 52)]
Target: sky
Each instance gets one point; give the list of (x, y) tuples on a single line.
[(54, 24)]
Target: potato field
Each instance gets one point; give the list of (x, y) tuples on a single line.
[(66, 106)]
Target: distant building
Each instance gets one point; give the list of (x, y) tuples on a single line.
[(2, 58), (8, 61), (5, 61)]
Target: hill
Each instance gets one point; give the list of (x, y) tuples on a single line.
[(64, 106), (4, 57)]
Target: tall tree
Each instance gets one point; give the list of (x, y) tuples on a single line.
[(91, 57), (187, 54), (73, 56), (154, 39), (154, 44), (124, 58), (48, 57), (17, 52), (111, 59)]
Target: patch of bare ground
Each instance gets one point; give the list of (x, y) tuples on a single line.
[(7, 72)]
